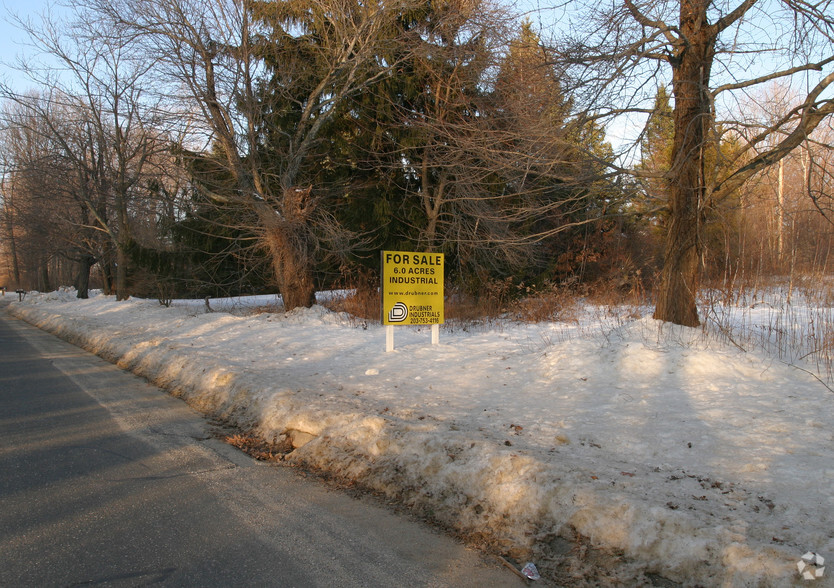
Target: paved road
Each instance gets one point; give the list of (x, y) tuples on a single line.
[(107, 481)]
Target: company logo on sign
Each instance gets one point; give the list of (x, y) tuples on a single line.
[(398, 313), (412, 288)]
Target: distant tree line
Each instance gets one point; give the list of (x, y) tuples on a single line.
[(218, 147)]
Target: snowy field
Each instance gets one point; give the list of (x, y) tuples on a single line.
[(673, 451)]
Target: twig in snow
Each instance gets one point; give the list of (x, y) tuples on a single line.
[(513, 568), (818, 379)]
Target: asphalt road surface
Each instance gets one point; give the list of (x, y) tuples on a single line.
[(107, 481)]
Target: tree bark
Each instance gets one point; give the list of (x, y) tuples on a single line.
[(679, 279), (43, 274), (288, 239), (107, 272), (121, 273), (12, 247), (82, 281), (292, 267)]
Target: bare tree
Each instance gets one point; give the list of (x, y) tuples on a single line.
[(787, 212), (231, 62), (35, 213), (45, 219), (9, 216), (711, 53), (99, 118)]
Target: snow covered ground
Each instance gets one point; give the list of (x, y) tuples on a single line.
[(677, 453)]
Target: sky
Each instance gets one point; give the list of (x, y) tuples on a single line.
[(13, 40), (621, 132), (700, 459)]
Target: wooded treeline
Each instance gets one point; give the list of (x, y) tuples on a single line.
[(204, 148)]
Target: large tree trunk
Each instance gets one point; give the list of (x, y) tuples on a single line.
[(288, 239), (106, 266), (292, 267), (121, 273), (43, 274), (12, 248), (82, 281), (676, 293), (679, 279)]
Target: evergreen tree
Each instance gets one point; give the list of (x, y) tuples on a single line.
[(653, 170), (552, 162), (656, 150)]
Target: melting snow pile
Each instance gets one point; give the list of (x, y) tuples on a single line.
[(692, 459)]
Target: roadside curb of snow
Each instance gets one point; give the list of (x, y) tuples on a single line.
[(516, 504)]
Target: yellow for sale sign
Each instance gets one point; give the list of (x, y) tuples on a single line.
[(412, 288)]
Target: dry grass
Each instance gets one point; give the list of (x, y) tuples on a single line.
[(519, 302), (258, 448), (790, 319), (552, 304), (265, 309), (361, 303), (498, 299)]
